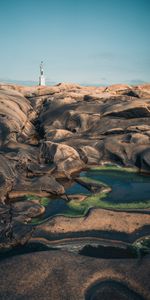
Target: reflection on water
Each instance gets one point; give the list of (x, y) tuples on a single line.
[(77, 188), (53, 207), (126, 187)]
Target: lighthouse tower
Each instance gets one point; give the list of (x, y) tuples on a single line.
[(41, 78)]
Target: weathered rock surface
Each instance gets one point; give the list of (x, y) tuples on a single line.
[(69, 126), (49, 275), (127, 225), (66, 158), (47, 136)]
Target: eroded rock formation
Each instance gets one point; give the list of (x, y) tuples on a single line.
[(47, 136)]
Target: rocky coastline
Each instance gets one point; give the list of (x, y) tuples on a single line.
[(52, 205)]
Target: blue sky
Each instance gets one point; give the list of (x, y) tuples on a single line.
[(84, 41)]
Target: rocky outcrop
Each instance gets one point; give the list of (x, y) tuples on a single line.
[(128, 110), (65, 158), (49, 275), (124, 223), (47, 136), (60, 129), (15, 115)]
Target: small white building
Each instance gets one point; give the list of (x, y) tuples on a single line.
[(42, 77)]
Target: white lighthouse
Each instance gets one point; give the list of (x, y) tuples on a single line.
[(41, 78)]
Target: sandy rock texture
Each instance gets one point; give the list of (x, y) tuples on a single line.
[(122, 225), (49, 275)]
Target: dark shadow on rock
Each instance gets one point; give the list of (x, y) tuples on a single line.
[(111, 290)]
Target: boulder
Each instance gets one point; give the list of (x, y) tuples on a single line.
[(66, 158), (129, 110), (89, 154), (56, 135), (138, 138)]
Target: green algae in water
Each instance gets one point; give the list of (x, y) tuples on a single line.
[(130, 190), (90, 202), (56, 207), (114, 167), (44, 201)]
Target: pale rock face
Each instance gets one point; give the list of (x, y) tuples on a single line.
[(89, 154), (57, 134), (118, 87), (58, 152), (64, 151), (14, 111), (58, 102), (65, 157), (139, 138)]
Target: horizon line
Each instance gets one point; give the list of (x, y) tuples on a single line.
[(50, 82)]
